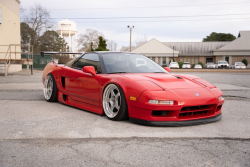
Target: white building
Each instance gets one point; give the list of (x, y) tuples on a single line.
[(10, 32), (194, 52)]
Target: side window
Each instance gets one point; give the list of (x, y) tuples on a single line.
[(90, 59)]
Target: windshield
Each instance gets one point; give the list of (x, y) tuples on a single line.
[(173, 63), (222, 62), (239, 63), (210, 63), (130, 63)]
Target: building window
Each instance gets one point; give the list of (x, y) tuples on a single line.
[(153, 58), (164, 61)]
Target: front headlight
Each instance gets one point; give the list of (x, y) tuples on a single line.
[(220, 98), (167, 102)]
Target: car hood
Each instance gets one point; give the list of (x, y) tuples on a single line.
[(166, 81)]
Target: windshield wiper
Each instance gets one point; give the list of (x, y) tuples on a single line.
[(116, 72)]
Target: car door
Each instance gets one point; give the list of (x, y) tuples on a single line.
[(81, 86)]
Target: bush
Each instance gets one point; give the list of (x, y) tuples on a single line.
[(201, 64), (192, 65), (180, 64), (245, 62), (164, 65)]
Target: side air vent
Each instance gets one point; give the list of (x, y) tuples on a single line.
[(63, 81), (64, 97)]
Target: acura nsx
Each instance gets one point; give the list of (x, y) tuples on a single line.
[(131, 86)]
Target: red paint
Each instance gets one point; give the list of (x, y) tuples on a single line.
[(167, 69), (89, 69), (84, 90)]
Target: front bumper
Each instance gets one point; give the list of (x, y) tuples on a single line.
[(240, 67), (176, 123), (188, 110), (223, 66), (210, 67)]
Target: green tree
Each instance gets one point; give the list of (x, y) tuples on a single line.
[(26, 34), (102, 46), (180, 64), (51, 41), (219, 37), (201, 64), (245, 62)]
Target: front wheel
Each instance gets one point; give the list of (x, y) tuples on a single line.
[(50, 89), (114, 103)]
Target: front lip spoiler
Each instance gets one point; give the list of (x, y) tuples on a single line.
[(176, 123)]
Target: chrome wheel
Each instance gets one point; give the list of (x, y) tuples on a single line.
[(48, 87), (111, 100)]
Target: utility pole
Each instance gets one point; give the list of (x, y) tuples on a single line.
[(28, 56), (130, 36)]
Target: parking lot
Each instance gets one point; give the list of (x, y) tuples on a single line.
[(35, 132)]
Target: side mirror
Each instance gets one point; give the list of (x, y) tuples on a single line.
[(89, 69), (167, 69)]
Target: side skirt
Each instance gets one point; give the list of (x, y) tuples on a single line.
[(65, 99)]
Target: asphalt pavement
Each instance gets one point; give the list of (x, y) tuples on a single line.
[(35, 132)]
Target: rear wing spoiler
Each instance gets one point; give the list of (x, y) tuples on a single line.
[(51, 53)]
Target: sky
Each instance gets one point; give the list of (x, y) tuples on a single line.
[(164, 20)]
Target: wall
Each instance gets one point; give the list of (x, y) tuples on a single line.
[(10, 29), (218, 58)]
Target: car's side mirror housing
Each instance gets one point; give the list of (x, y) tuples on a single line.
[(167, 69), (89, 69)]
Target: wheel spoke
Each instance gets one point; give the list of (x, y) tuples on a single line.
[(113, 93), (112, 106), (117, 96), (117, 105)]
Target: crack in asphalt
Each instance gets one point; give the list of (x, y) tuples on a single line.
[(114, 150), (231, 97)]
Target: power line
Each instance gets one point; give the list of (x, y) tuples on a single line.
[(138, 7), (151, 17), (115, 21)]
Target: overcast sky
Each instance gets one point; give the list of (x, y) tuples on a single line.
[(192, 26)]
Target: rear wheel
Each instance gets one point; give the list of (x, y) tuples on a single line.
[(50, 89), (114, 103)]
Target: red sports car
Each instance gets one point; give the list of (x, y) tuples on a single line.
[(129, 85)]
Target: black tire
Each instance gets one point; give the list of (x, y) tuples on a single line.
[(123, 111), (53, 97), (123, 114)]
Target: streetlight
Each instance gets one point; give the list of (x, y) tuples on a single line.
[(130, 35), (173, 52)]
